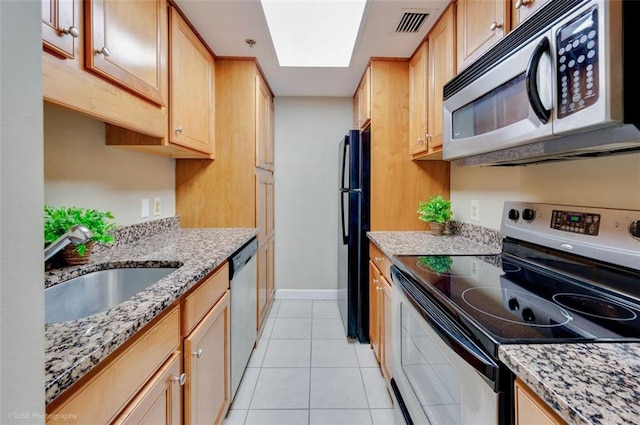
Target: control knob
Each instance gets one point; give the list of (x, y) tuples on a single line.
[(513, 214), (528, 316), (528, 214), (514, 305), (634, 229)]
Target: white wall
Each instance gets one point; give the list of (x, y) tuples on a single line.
[(80, 170), (307, 133), (612, 182), (21, 238)]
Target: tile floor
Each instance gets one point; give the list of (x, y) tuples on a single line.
[(305, 371)]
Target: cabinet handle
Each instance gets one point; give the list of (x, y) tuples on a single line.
[(521, 3), (375, 281), (180, 379), (378, 259), (420, 141), (378, 288), (198, 353), (427, 136), (103, 51), (494, 26), (72, 31), (179, 130)]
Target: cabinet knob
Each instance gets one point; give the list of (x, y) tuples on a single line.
[(180, 379), (494, 26), (420, 141), (378, 259), (378, 288), (103, 51), (521, 3), (72, 31), (198, 353), (179, 130), (427, 136)]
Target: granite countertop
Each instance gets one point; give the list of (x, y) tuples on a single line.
[(424, 243), (584, 383), (75, 347)]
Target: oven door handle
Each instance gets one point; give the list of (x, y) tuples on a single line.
[(449, 332), (541, 112)]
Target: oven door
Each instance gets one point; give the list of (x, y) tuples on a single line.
[(443, 377), (509, 105)]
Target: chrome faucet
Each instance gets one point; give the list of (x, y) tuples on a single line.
[(76, 235)]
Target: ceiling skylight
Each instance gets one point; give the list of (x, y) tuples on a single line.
[(314, 33)]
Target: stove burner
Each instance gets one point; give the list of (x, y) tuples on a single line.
[(594, 306), (522, 308), (510, 268)]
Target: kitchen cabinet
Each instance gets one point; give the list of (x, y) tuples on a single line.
[(391, 164), (386, 328), (207, 367), (363, 97), (380, 310), (128, 375), (523, 9), (531, 410), (125, 45), (231, 191), (68, 83), (431, 67), (264, 125), (480, 24), (160, 402), (266, 288), (374, 311), (60, 27)]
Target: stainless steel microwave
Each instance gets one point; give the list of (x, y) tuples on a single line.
[(563, 84)]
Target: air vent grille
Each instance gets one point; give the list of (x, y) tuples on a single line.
[(411, 22)]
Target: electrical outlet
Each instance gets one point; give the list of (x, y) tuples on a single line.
[(475, 210), (156, 206), (144, 210)]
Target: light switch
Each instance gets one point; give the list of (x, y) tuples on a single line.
[(156, 206)]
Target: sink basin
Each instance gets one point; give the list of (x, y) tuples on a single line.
[(99, 291)]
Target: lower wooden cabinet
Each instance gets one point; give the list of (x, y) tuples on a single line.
[(266, 284), (386, 328), (207, 367), (374, 310), (380, 309), (160, 401), (531, 410)]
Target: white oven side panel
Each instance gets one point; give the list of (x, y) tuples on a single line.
[(437, 386)]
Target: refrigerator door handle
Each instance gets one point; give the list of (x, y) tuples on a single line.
[(344, 162), (345, 237)]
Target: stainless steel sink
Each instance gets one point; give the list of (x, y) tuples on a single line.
[(96, 292)]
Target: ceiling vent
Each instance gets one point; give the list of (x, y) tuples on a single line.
[(411, 22)]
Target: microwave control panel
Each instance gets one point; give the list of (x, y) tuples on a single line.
[(575, 222), (577, 63)]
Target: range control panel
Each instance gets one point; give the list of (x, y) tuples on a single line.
[(575, 222)]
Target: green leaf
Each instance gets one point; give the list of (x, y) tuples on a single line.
[(58, 220), (436, 209)]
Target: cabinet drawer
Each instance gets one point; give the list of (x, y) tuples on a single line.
[(380, 260), (113, 387), (200, 301)]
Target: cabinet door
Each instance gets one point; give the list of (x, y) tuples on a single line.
[(356, 109), (271, 288), (160, 401), (531, 410), (441, 68), (261, 286), (264, 205), (386, 328), (374, 309), (481, 23), (364, 99), (523, 9), (263, 125), (192, 112), (207, 365), (60, 27), (125, 44), (418, 100)]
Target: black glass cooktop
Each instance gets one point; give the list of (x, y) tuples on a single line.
[(504, 299)]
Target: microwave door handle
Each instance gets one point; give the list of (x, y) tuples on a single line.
[(532, 81)]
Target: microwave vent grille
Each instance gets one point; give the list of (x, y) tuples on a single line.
[(410, 22)]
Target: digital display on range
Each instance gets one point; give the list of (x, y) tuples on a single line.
[(576, 222)]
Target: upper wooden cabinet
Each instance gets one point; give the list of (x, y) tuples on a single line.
[(363, 101), (523, 9), (418, 100), (124, 44), (192, 85), (264, 125), (60, 27), (481, 24)]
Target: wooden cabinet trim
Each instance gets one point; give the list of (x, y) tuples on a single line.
[(531, 409)]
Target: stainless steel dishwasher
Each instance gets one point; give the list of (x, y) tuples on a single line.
[(243, 279)]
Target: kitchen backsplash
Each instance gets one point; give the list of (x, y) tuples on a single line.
[(479, 234), (131, 233)]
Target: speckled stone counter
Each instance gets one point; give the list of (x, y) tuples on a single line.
[(424, 243), (75, 347), (583, 383)]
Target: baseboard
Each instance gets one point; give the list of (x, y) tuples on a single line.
[(306, 294)]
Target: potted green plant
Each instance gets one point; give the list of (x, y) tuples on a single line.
[(436, 211), (58, 220)]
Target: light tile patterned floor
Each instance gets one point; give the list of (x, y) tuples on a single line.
[(304, 371)]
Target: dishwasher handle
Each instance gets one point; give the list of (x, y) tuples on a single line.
[(242, 257)]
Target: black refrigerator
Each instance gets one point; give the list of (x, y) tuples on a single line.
[(353, 246)]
